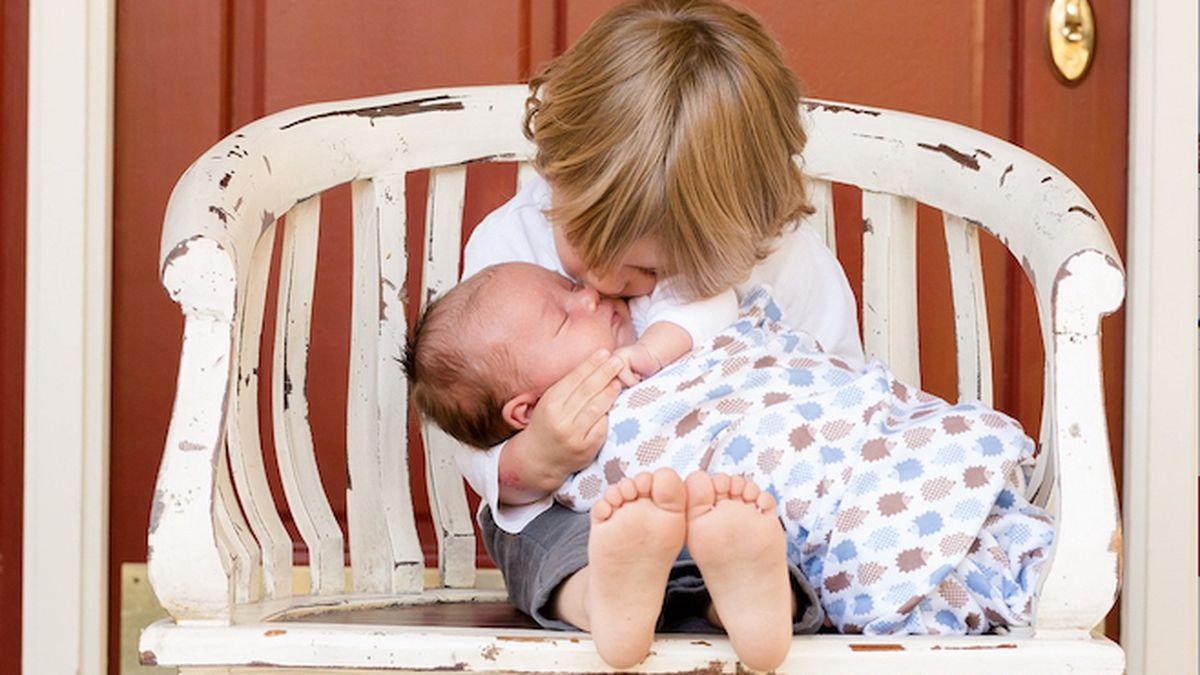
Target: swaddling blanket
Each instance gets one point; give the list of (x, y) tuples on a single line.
[(906, 513)]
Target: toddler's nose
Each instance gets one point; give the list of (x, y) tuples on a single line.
[(584, 299), (608, 284)]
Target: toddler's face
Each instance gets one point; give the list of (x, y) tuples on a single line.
[(549, 324), (635, 274)]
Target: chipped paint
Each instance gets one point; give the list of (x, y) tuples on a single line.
[(1047, 179), (490, 652), (287, 383), (869, 647), (868, 228), (985, 153), (702, 643), (156, 510), (274, 632), (221, 213), (972, 648), (1075, 431), (1080, 209), (267, 161), (268, 219), (147, 658), (963, 159), (189, 446), (432, 103), (836, 108), (224, 182), (1116, 545), (1005, 174), (1028, 267)]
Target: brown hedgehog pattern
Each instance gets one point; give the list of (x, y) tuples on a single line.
[(906, 513)]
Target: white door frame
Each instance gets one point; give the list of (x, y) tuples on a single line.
[(64, 614), (1158, 606)]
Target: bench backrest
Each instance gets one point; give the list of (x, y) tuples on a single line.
[(216, 536)]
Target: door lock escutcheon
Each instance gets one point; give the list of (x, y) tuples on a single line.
[(1071, 33)]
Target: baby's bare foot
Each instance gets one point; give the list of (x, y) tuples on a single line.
[(637, 533), (738, 543)]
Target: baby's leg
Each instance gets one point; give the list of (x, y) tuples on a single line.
[(737, 541), (637, 532)]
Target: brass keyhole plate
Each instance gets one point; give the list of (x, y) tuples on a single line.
[(1071, 33)]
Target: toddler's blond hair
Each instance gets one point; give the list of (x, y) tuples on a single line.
[(673, 119)]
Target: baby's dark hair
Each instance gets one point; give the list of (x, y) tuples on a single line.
[(460, 387)]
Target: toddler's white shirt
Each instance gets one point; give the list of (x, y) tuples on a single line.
[(808, 284)]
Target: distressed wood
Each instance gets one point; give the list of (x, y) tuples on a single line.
[(223, 208), (525, 173), (234, 533), (243, 442), (298, 471), (972, 341), (448, 500), (820, 193), (890, 283), (531, 651), (385, 554)]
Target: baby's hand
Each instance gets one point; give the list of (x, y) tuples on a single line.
[(639, 362)]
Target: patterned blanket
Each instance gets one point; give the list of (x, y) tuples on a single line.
[(906, 513)]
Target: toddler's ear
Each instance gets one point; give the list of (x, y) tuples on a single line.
[(519, 409)]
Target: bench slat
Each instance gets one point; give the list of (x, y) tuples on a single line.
[(890, 283), (447, 498), (293, 438), (242, 437), (234, 534), (973, 342), (525, 173), (820, 194), (385, 553), (405, 557)]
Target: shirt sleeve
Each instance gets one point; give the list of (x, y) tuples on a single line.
[(812, 292), (481, 469), (702, 319)]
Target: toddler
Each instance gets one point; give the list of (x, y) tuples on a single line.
[(667, 144)]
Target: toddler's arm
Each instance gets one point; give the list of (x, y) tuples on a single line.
[(669, 326)]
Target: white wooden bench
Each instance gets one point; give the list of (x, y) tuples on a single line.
[(220, 559)]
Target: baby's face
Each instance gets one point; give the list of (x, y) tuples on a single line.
[(548, 324)]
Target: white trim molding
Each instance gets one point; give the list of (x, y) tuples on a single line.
[(68, 261), (1159, 603)]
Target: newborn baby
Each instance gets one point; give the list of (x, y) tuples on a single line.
[(906, 513)]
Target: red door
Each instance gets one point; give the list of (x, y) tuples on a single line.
[(188, 73)]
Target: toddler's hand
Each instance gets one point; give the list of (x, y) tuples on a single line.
[(570, 422)]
